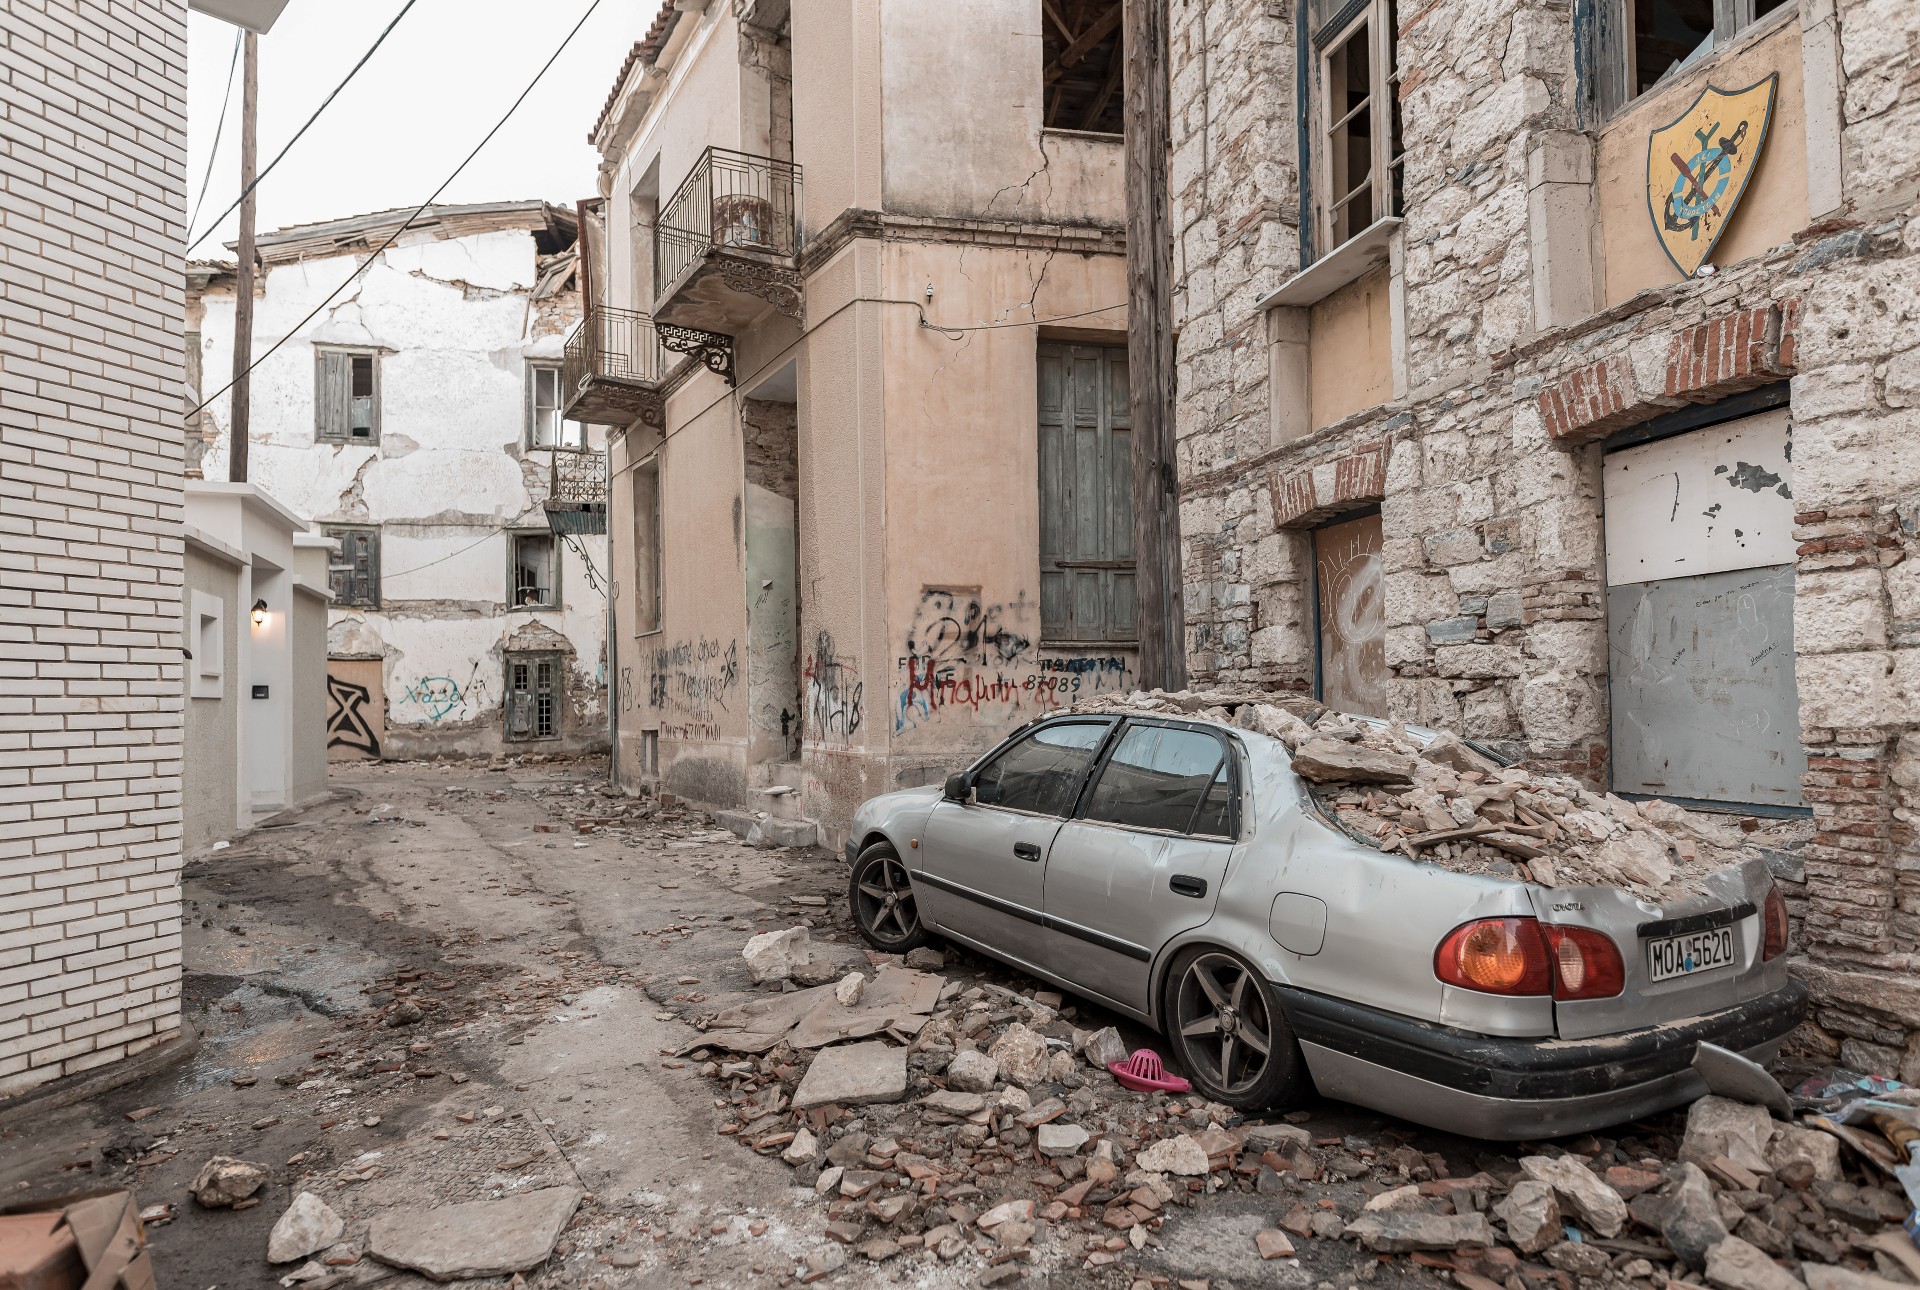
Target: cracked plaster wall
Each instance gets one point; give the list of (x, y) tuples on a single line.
[(454, 324)]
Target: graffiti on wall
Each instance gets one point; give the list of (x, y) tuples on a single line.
[(834, 694), (442, 696), (965, 656), (691, 684), (350, 721)]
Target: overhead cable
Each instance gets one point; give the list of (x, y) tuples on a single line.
[(219, 127)]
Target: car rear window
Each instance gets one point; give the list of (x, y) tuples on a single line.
[(1162, 778), (1042, 771)]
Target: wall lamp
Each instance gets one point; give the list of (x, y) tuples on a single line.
[(259, 612)]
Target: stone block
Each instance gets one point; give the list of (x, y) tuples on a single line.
[(478, 1238), (771, 956), (1839, 610), (853, 1074), (1460, 546), (790, 833), (1504, 611), (1404, 1231), (1452, 631)]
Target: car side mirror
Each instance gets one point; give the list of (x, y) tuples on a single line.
[(959, 787)]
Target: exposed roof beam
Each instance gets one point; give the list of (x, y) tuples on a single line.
[(1073, 53)]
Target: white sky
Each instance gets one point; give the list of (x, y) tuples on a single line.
[(419, 105)]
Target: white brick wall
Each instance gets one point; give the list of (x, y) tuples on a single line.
[(92, 203)]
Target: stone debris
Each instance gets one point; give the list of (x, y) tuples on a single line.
[(1404, 1231), (1181, 1155), (478, 1238), (855, 1073), (771, 956), (1580, 1192), (1532, 1216), (224, 1182), (972, 1072), (307, 1227), (1443, 801), (847, 993), (1735, 1265), (1102, 1048)]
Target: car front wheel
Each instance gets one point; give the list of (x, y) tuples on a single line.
[(882, 900), (1225, 1024)]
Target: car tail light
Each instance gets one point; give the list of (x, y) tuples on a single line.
[(1586, 964), (1775, 943), (1496, 956)]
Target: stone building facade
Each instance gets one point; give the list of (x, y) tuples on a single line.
[(417, 422), (1416, 447), (92, 200)]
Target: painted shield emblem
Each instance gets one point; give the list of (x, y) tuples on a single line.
[(1699, 166)]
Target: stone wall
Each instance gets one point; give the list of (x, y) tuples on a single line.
[(1487, 469)]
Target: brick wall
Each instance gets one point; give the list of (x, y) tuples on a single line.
[(92, 197)]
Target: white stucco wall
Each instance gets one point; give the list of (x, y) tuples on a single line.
[(455, 324)]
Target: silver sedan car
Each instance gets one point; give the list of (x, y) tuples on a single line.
[(1178, 871)]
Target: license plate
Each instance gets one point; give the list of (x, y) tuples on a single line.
[(1672, 956)]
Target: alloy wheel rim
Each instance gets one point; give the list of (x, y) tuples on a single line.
[(1222, 1022), (887, 898)]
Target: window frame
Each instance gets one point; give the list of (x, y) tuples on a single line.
[(207, 678), (1386, 152), (333, 532), (1031, 730), (1612, 70), (1231, 751), (321, 431), (555, 603), (651, 464), (535, 369)]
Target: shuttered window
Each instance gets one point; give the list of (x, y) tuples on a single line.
[(1086, 496), (532, 696), (346, 396), (354, 572)]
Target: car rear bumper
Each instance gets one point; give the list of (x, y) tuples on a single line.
[(1513, 1089)]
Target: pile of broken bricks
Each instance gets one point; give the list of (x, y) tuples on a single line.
[(942, 1122)]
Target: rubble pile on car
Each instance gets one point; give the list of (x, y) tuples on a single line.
[(988, 1130), (1443, 801)]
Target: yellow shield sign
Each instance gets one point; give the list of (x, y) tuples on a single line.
[(1698, 167)]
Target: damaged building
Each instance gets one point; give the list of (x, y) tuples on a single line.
[(418, 420), (856, 324), (1546, 373)]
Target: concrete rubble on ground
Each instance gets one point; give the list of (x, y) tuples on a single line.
[(1440, 800), (479, 1238)]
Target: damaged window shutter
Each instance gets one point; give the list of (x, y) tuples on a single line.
[(1086, 495), (332, 389)]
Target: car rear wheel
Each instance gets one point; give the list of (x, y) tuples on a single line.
[(1225, 1024), (882, 898)]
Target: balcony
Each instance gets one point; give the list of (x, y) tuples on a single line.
[(576, 500), (724, 246), (619, 366)]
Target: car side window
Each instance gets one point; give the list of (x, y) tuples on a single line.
[(1163, 778), (1041, 772)]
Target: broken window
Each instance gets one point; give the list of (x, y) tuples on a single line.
[(1083, 60), (1350, 589), (535, 571), (547, 425), (1644, 42), (646, 546), (1700, 584), (1354, 124), (533, 682), (346, 396), (353, 573), (1086, 496)]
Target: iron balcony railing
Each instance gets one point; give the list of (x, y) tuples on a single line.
[(612, 344), (576, 499), (730, 201)]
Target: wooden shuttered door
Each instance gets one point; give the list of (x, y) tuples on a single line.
[(332, 395), (354, 573), (1086, 496)]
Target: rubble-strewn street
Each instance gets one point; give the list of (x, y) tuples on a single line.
[(451, 1021)]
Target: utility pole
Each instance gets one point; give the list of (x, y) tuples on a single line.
[(243, 275), (1150, 374)]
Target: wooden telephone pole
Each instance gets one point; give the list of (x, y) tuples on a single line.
[(1150, 372), (243, 275)]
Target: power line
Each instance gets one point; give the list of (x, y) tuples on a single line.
[(417, 211), (208, 231), (226, 101)]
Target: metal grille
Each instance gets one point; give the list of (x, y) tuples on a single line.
[(732, 201)]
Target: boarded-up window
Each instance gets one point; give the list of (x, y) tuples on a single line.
[(532, 696), (1086, 496), (535, 571), (646, 546), (1351, 588), (1700, 574), (346, 397), (353, 574)]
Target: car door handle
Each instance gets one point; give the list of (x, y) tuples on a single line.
[(1026, 850), (1187, 885)]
